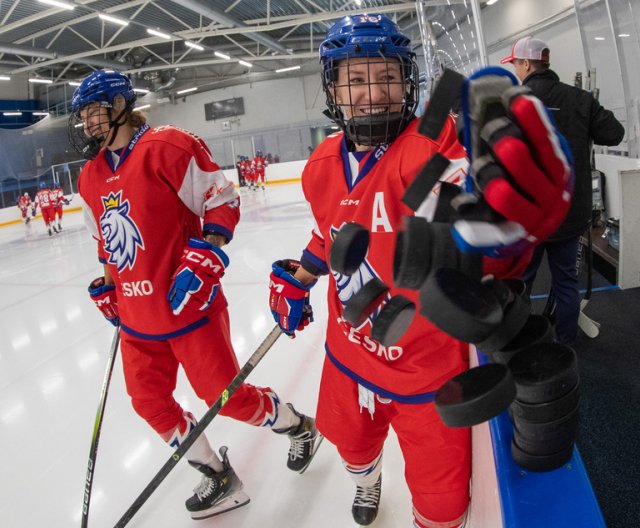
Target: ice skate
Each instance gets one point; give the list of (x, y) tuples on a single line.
[(59, 228), (55, 229), (50, 232), (218, 492), (366, 502), (305, 440)]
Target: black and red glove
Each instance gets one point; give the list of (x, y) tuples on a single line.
[(524, 175), (104, 296)]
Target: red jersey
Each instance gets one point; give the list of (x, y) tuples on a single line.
[(59, 197), (24, 202), (367, 188), (143, 212), (45, 199), (260, 163)]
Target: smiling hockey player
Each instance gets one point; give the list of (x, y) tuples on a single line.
[(370, 80), (146, 193)]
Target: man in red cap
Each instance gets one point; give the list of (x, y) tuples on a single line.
[(581, 120)]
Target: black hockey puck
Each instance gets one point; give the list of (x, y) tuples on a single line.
[(548, 411), (364, 302), (536, 330), (516, 313), (445, 212), (393, 320), (544, 372), (412, 256), (349, 248), (459, 305), (549, 437), (540, 462), (445, 96), (423, 183), (474, 396)]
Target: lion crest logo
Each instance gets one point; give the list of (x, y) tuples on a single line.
[(347, 286), (119, 232)]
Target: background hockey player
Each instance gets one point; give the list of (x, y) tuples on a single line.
[(162, 273), (60, 202), (260, 164), (46, 200), (24, 204), (370, 80)]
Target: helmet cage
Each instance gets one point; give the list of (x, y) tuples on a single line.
[(375, 38), (102, 86)]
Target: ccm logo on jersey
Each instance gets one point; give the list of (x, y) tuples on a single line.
[(203, 261), (137, 288)]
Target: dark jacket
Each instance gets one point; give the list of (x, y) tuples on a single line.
[(580, 119)]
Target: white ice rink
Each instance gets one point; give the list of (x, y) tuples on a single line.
[(54, 346)]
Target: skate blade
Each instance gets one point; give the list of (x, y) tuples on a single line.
[(236, 500), (313, 454)]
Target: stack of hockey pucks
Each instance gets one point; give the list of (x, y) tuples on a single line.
[(545, 413), (392, 315)]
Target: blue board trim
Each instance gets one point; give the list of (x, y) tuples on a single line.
[(562, 498)]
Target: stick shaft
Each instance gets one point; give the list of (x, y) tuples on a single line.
[(97, 426), (201, 426)]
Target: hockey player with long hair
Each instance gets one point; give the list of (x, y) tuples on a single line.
[(146, 193), (360, 174)]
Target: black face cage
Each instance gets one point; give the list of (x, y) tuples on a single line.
[(373, 129)]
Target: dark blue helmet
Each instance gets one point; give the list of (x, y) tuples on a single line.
[(369, 36), (103, 86)]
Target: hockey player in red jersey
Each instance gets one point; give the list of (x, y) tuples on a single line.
[(60, 201), (24, 204), (45, 199), (162, 277), (370, 79), (260, 164)]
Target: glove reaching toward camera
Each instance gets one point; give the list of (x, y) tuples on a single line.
[(197, 280), (104, 296), (520, 168), (289, 298)]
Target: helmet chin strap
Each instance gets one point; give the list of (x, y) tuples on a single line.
[(115, 124)]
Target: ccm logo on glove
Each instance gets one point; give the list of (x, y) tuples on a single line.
[(203, 261)]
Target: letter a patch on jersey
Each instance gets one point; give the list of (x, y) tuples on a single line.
[(120, 233)]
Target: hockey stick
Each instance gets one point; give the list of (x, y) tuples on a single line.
[(201, 426), (93, 451)]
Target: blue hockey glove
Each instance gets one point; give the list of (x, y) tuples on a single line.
[(289, 298), (197, 280), (104, 296)]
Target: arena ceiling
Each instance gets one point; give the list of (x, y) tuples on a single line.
[(49, 42)]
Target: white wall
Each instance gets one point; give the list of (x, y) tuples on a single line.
[(508, 20), (267, 104)]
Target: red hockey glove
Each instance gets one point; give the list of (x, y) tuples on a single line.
[(197, 280), (289, 298), (104, 296), (525, 176)]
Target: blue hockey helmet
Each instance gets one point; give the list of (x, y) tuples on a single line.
[(43, 185), (369, 36), (103, 86)]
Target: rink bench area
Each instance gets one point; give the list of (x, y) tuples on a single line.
[(506, 496)]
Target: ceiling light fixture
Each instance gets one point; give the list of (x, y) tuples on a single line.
[(141, 90), (114, 20), (143, 107), (73, 83), (491, 2), (624, 35), (245, 63), (187, 90), (4, 78), (40, 81), (8, 114), (194, 45), (221, 55), (40, 113), (56, 3), (158, 34), (290, 68)]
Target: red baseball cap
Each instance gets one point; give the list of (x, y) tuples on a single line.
[(528, 48)]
